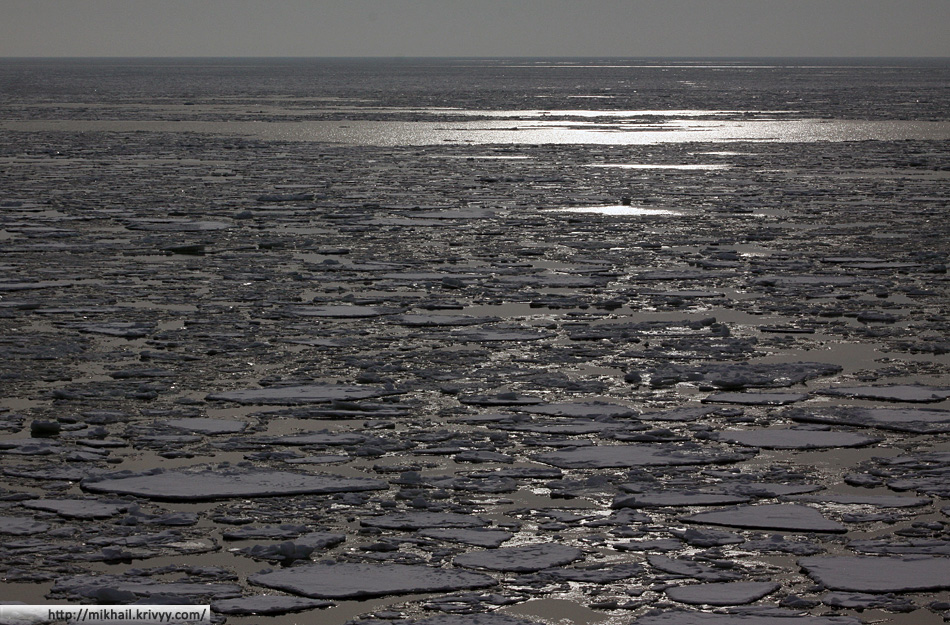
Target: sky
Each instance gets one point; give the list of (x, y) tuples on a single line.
[(475, 28)]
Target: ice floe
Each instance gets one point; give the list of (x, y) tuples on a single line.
[(205, 485), (354, 581), (795, 438), (606, 456), (790, 517), (305, 394), (721, 594), (520, 559), (879, 574)]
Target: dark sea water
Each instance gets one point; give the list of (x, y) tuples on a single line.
[(481, 341)]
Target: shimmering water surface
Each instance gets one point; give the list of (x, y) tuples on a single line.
[(432, 102)]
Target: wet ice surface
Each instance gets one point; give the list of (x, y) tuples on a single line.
[(428, 385)]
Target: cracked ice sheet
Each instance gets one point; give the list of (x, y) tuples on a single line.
[(207, 485)]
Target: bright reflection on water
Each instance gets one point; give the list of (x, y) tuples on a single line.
[(623, 132), (648, 166), (619, 210)]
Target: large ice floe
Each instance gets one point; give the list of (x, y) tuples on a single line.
[(221, 483), (469, 382), (354, 581)]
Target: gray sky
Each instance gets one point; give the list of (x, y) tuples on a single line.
[(474, 28)]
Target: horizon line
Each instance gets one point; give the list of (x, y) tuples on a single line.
[(475, 57)]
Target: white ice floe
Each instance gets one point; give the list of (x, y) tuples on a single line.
[(879, 574), (206, 425), (342, 311), (917, 420), (21, 526), (659, 499), (790, 517), (791, 438), (205, 485), (587, 410), (267, 605), (755, 399), (475, 536), (303, 394), (897, 392), (521, 559), (680, 617), (420, 520), (721, 593), (607, 456), (358, 581), (78, 508)]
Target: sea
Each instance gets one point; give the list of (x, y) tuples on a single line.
[(489, 101)]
